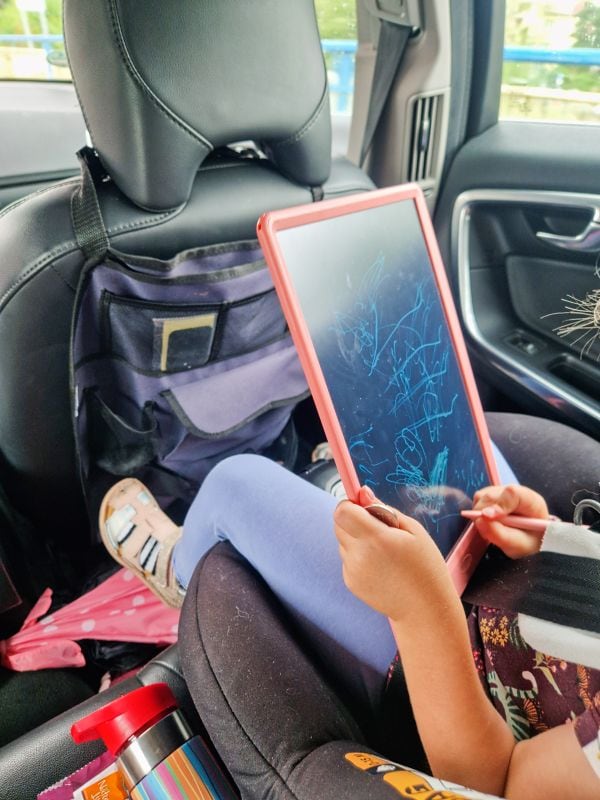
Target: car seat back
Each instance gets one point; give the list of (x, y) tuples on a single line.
[(175, 363), (163, 86)]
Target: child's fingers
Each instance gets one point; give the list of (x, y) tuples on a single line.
[(497, 501), (384, 513), (494, 532), (513, 542), (366, 496), (409, 524), (352, 520), (487, 495)]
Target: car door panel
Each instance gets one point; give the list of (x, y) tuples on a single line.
[(514, 196)]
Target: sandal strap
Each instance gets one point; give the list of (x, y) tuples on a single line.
[(164, 573), (132, 546)]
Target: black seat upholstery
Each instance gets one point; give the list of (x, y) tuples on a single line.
[(163, 84), (283, 722), (280, 720)]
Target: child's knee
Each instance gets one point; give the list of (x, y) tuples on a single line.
[(242, 470)]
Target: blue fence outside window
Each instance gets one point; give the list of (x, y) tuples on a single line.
[(340, 54), (45, 41), (577, 56)]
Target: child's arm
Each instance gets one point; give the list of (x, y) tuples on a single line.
[(402, 574), (551, 766), (465, 738)]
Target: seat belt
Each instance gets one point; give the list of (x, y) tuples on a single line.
[(393, 39), (559, 585), (550, 586)]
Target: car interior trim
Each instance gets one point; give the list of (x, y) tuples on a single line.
[(532, 380)]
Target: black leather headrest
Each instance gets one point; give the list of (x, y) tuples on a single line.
[(163, 82)]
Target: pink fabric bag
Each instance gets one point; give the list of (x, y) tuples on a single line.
[(119, 609)]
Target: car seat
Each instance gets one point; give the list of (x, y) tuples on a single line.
[(162, 84), (286, 728), (260, 658), (283, 723), (163, 88)]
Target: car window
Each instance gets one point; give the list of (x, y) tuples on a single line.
[(32, 48), (31, 42), (552, 61), (337, 27)]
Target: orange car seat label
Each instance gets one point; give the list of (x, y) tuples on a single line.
[(408, 783)]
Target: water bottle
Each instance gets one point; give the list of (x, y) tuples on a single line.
[(157, 754)]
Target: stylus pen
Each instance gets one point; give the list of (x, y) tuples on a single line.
[(514, 521)]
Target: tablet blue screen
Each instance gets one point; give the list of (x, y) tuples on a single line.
[(367, 291)]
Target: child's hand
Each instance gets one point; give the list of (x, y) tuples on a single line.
[(393, 570), (497, 501)]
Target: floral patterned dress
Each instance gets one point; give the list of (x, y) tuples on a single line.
[(533, 691)]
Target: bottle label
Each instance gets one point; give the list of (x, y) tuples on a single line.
[(183, 775)]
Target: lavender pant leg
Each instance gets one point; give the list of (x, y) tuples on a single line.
[(283, 526)]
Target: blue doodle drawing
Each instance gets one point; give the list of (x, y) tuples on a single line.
[(409, 358)]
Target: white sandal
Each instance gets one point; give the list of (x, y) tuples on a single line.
[(141, 537)]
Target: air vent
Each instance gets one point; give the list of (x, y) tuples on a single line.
[(423, 137)]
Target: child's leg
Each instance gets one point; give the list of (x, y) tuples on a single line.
[(505, 472), (253, 502), (283, 526), (559, 462), (266, 705)]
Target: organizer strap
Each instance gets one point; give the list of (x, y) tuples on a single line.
[(90, 231)]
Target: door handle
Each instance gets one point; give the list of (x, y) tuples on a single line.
[(588, 241)]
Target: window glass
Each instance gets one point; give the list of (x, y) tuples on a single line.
[(32, 48), (31, 42), (337, 26), (552, 61)]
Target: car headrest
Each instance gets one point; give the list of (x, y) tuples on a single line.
[(164, 82)]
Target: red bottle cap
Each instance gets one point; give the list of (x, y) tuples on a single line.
[(125, 717)]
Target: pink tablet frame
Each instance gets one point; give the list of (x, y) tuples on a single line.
[(469, 548)]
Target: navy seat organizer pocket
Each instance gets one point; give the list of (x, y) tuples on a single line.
[(177, 364)]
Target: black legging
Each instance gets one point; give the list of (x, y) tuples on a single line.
[(560, 463), (272, 715)]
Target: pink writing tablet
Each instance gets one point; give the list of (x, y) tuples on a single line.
[(368, 304)]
